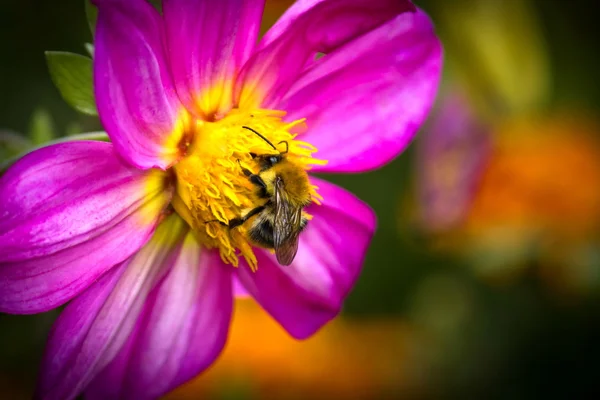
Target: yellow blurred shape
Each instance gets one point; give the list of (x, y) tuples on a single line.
[(497, 50)]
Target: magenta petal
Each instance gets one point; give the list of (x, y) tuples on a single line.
[(304, 296), (93, 328), (144, 328), (365, 101), (208, 42), (239, 291), (303, 6), (307, 28), (136, 99), (62, 375), (182, 330), (70, 212)]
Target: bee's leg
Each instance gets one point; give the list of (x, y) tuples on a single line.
[(258, 181), (255, 179), (251, 174), (235, 222), (246, 171)]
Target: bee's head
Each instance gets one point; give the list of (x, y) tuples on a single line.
[(266, 161), (272, 159)]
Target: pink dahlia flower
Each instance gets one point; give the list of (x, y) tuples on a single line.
[(123, 229)]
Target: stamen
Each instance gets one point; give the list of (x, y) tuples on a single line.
[(211, 187)]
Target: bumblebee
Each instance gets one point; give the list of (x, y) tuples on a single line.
[(285, 190)]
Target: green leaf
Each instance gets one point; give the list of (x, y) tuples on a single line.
[(41, 127), (91, 13), (72, 75)]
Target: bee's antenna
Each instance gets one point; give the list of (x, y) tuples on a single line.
[(261, 136), (287, 146)]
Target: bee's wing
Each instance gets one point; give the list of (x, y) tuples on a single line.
[(286, 226)]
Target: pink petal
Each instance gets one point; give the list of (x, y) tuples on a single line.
[(58, 378), (451, 156), (92, 328), (70, 212), (144, 328), (365, 101), (304, 296), (136, 99), (208, 42), (307, 28), (302, 6), (182, 331), (239, 291)]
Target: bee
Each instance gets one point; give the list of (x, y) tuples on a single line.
[(284, 190)]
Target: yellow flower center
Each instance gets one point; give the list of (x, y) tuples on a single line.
[(211, 187)]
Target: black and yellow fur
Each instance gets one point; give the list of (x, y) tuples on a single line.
[(296, 193), (282, 190)]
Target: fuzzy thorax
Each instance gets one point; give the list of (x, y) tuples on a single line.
[(211, 186)]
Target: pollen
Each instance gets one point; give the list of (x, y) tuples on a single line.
[(211, 187)]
